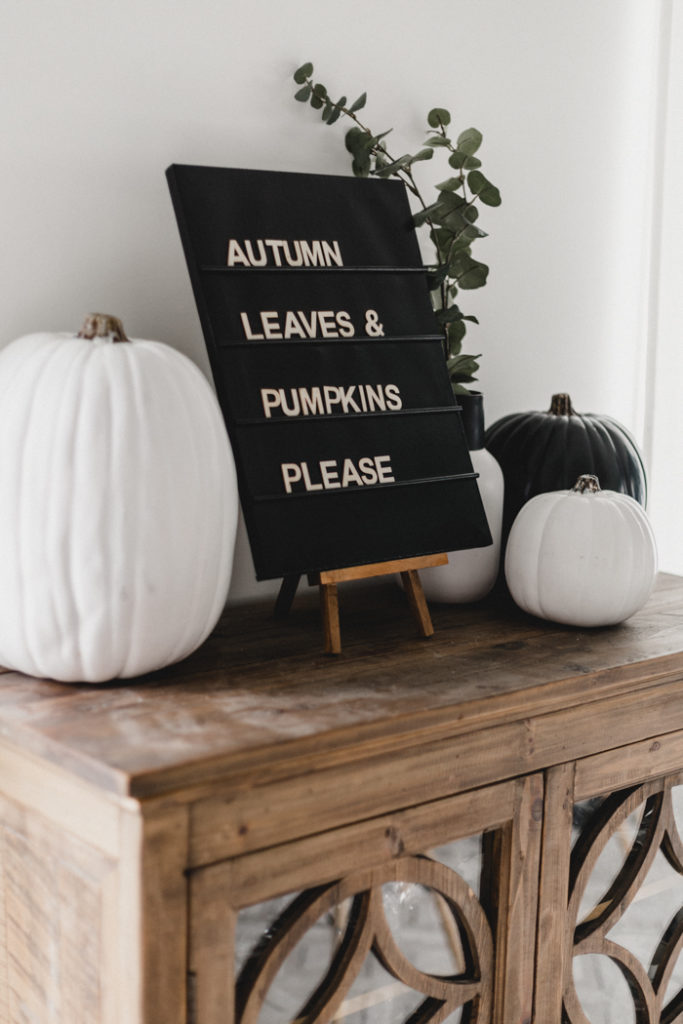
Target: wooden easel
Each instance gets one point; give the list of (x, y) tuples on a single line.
[(329, 604)]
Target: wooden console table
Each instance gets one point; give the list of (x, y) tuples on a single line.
[(193, 846)]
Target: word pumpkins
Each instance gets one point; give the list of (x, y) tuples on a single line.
[(118, 505), (584, 557)]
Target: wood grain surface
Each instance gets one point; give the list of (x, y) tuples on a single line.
[(260, 700)]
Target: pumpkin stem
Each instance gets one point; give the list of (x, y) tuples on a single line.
[(561, 405), (587, 482), (102, 325)]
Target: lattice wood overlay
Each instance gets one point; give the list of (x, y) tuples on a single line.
[(367, 932), (657, 831)]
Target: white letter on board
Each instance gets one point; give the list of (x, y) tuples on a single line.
[(385, 473), (292, 325), (350, 474), (332, 397), (293, 261), (347, 399), (291, 474), (327, 324), (367, 468), (346, 328), (262, 256), (272, 330), (332, 254), (312, 253), (248, 333), (311, 401), (307, 479), (330, 474), (236, 254), (393, 396), (274, 244), (270, 397)]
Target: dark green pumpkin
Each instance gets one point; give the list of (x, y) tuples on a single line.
[(548, 451)]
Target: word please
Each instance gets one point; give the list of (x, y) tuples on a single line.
[(329, 474), (279, 252), (331, 399)]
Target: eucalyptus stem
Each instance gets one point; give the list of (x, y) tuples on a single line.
[(451, 219)]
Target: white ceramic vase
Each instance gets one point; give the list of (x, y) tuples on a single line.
[(471, 574)]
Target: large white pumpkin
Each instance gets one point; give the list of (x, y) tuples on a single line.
[(118, 505), (583, 557)]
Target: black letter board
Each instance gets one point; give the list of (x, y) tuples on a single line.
[(329, 368)]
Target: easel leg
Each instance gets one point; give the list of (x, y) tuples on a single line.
[(418, 604), (329, 605), (285, 597)]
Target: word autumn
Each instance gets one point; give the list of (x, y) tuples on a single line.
[(331, 473), (279, 252), (329, 399)]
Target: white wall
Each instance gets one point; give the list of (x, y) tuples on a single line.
[(99, 97), (664, 424)]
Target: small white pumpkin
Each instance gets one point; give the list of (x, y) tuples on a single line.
[(583, 557), (118, 505)]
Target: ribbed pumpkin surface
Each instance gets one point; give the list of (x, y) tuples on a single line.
[(118, 507), (548, 451), (585, 559)]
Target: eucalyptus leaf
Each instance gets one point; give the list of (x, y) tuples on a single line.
[(303, 94), (440, 238), (458, 245), (319, 91), (456, 332), (474, 276), (463, 161), (464, 231), (361, 165), (422, 216), (302, 73), (438, 140), (469, 141), (449, 315), (424, 154), (354, 140), (449, 201), (482, 187), (461, 368), (450, 185), (439, 211), (455, 223), (336, 110), (397, 165), (359, 103), (437, 277), (438, 116)]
